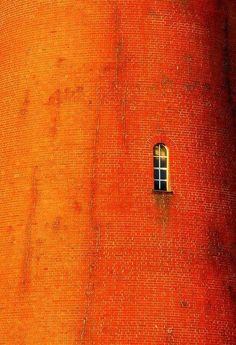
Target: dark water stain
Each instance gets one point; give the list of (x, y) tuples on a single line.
[(184, 304), (208, 306), (181, 2), (166, 82), (227, 65), (96, 235), (10, 228), (25, 278), (232, 293), (56, 226), (54, 102), (153, 16), (163, 202), (224, 260), (184, 2), (60, 61), (77, 207), (25, 105), (206, 86), (120, 78), (217, 248), (219, 3), (191, 86), (57, 99), (70, 94)]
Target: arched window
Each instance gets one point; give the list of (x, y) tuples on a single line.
[(161, 167)]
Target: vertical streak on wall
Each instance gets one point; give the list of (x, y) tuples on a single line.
[(230, 50), (120, 83), (96, 235), (25, 278)]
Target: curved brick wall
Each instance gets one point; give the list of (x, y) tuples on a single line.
[(89, 254)]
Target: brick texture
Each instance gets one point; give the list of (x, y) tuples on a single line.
[(89, 255)]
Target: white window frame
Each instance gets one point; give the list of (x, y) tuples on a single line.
[(159, 180)]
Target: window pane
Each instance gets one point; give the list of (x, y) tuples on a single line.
[(163, 162), (156, 162), (163, 150), (160, 160), (156, 150), (163, 185), (156, 185), (163, 174), (156, 174)]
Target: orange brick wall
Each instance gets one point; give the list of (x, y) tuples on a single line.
[(89, 255)]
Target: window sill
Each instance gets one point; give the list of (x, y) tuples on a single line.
[(162, 191)]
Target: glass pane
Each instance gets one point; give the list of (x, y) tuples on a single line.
[(156, 185), (156, 150), (163, 162), (163, 150), (163, 185), (156, 162), (163, 174), (156, 174)]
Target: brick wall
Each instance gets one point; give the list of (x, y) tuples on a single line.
[(89, 254)]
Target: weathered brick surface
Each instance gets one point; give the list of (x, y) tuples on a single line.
[(88, 254)]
